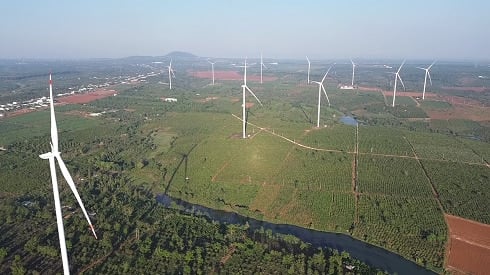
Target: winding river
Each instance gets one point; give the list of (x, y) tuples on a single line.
[(370, 254)]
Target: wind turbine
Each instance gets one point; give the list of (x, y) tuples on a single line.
[(51, 156), (353, 71), (426, 74), (244, 89), (397, 76), (308, 69), (212, 68), (262, 65), (170, 74), (320, 88)]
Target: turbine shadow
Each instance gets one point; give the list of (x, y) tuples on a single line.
[(182, 160)]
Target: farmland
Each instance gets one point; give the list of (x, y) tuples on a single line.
[(388, 182)]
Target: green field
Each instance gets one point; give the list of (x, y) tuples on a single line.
[(374, 184)]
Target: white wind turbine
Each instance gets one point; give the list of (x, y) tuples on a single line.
[(212, 68), (397, 76), (320, 88), (244, 90), (262, 65), (309, 64), (52, 156), (425, 80), (353, 71), (170, 74)]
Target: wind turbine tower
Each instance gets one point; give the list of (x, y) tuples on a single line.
[(309, 65), (245, 88), (262, 65), (397, 76), (425, 80), (212, 68), (170, 74), (320, 89), (53, 156), (353, 71)]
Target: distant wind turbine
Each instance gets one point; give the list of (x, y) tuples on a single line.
[(309, 64), (212, 68), (262, 65), (353, 71), (170, 74), (397, 76), (426, 74), (320, 88), (52, 156), (245, 88)]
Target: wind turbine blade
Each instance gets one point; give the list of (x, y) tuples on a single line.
[(253, 95), (69, 180), (401, 66), (323, 79), (431, 65), (430, 79), (420, 68), (54, 128), (353, 64), (263, 65), (325, 92), (59, 216), (173, 74), (308, 59), (401, 81)]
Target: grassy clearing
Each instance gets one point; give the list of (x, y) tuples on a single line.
[(38, 123)]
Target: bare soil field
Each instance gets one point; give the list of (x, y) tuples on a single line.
[(230, 75), (88, 97), (468, 249)]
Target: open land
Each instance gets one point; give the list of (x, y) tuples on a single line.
[(394, 181)]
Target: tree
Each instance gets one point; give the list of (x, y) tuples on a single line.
[(3, 253), (17, 268)]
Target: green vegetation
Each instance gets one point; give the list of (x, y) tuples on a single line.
[(461, 188), (193, 150), (395, 221)]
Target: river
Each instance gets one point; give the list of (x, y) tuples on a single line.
[(370, 254)]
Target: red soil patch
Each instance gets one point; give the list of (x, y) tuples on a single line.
[(230, 75), (207, 99), (88, 97), (20, 112), (249, 104), (469, 246), (368, 89)]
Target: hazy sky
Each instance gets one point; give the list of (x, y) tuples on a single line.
[(422, 29)]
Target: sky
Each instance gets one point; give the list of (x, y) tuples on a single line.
[(321, 29)]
